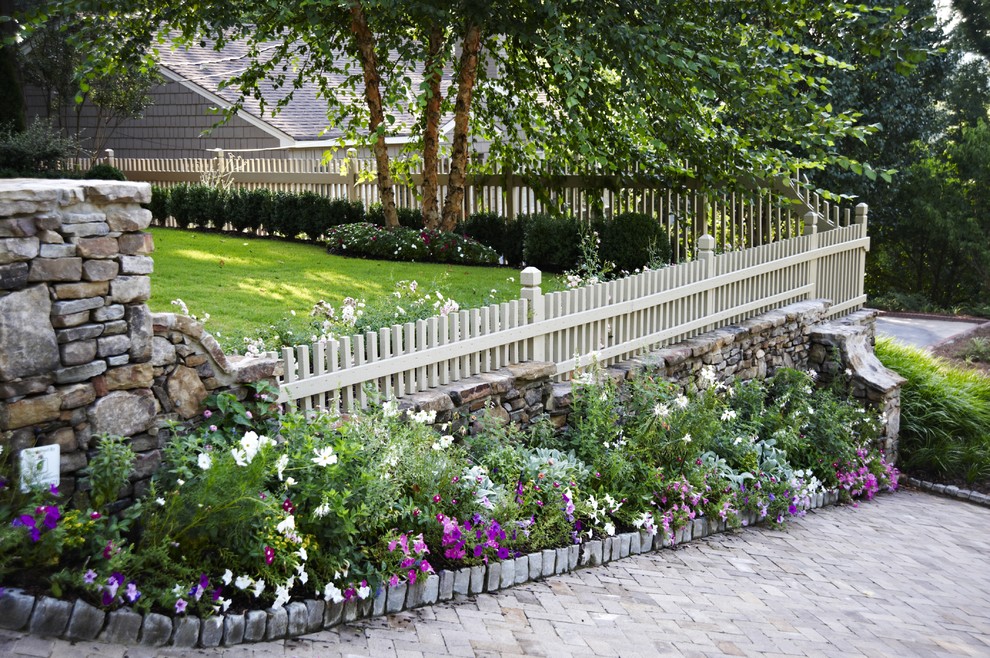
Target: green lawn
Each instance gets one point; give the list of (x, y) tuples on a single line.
[(246, 283)]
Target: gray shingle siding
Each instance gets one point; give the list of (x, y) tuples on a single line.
[(171, 127)]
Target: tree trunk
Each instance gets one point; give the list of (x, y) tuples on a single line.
[(453, 205), (431, 129), (365, 43)]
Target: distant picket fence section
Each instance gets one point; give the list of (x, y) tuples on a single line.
[(737, 220), (608, 322)]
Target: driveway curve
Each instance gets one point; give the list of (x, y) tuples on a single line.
[(905, 575)]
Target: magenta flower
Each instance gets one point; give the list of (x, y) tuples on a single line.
[(269, 554)]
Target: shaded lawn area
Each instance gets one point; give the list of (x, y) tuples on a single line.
[(245, 282)]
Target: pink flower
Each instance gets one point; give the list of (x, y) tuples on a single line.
[(269, 554), (207, 413)]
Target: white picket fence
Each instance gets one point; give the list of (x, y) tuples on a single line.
[(737, 219), (610, 321)]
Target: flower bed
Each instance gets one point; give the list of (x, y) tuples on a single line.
[(263, 524)]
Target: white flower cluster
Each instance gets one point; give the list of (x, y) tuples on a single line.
[(250, 444), (443, 443)]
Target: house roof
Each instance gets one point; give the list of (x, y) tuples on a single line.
[(302, 120)]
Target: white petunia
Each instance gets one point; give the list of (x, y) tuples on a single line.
[(287, 525), (280, 465), (228, 575), (243, 582), (259, 587), (332, 593), (281, 596), (324, 457)]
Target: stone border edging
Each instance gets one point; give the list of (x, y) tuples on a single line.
[(950, 490), (75, 621)]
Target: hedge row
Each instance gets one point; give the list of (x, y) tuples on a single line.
[(551, 243), (629, 240), (276, 213)]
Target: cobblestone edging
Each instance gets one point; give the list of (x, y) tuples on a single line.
[(949, 490), (74, 621)]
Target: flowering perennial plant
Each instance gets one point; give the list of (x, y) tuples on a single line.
[(258, 506)]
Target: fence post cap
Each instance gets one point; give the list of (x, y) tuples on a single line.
[(706, 243), (531, 276)]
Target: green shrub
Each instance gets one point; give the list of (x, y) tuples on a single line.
[(206, 206), (159, 204), (551, 243), (180, 206), (104, 171), (977, 350), (945, 415), (408, 217), (40, 148), (632, 240), (249, 210), (287, 217), (487, 228)]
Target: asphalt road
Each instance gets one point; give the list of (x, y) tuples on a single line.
[(921, 332)]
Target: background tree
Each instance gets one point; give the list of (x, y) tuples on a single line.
[(64, 60), (676, 89), (974, 23), (12, 99)]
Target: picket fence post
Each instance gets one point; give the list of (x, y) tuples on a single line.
[(705, 246), (531, 278), (811, 231)]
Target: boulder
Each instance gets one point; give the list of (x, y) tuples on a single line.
[(26, 333)]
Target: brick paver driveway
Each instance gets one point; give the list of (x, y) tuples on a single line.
[(906, 575)]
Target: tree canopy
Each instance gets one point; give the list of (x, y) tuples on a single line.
[(672, 89)]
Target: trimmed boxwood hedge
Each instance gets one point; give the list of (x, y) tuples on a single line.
[(549, 242)]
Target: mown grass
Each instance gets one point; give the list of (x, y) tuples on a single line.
[(945, 415), (246, 283)]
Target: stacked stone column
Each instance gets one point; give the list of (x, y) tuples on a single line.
[(75, 332)]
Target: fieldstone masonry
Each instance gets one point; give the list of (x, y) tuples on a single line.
[(80, 352), (796, 336)]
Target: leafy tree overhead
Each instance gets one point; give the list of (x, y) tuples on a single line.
[(62, 61), (974, 22), (673, 88)]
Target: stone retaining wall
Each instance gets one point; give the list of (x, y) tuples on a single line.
[(77, 341), (795, 336)]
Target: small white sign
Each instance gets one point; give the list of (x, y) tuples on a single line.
[(39, 467)]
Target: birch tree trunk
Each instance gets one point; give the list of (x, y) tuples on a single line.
[(453, 205), (365, 43), (431, 129)]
